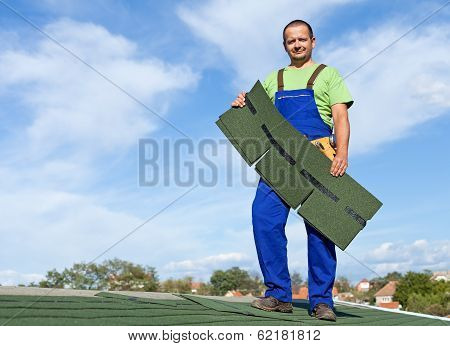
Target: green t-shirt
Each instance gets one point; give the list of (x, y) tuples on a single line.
[(329, 87)]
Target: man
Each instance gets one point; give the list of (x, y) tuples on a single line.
[(312, 98)]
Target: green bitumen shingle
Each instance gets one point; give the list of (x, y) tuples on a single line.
[(116, 309), (338, 207)]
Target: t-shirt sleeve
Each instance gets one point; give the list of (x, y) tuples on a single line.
[(270, 85), (338, 91)]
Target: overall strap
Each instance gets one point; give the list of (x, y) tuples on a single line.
[(280, 79), (314, 76)]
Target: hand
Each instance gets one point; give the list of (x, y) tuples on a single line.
[(339, 165), (240, 100)]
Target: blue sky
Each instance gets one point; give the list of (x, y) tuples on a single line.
[(69, 139)]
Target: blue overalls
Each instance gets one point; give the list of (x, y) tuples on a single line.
[(270, 212)]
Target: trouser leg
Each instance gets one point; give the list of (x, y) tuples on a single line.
[(269, 216), (321, 268)]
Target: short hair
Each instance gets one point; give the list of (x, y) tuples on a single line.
[(298, 22)]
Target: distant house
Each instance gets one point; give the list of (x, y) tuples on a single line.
[(195, 286), (441, 276), (233, 293), (302, 293), (363, 286), (345, 297), (391, 305), (384, 298)]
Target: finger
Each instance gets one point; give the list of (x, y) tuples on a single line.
[(333, 167), (337, 168), (342, 169)]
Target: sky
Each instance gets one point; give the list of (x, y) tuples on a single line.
[(100, 98)]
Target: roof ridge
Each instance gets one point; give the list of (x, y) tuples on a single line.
[(394, 311)]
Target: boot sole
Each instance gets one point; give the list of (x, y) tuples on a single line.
[(260, 307), (326, 318)]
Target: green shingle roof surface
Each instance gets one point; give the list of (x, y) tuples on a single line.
[(117, 309)]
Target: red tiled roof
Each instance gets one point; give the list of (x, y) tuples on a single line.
[(387, 290), (196, 285), (302, 293), (391, 305)]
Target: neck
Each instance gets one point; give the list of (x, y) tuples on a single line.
[(301, 64)]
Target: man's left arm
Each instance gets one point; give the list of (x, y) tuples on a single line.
[(339, 112)]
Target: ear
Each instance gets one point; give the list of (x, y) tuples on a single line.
[(284, 46), (313, 42)]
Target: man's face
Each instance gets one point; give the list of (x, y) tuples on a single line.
[(298, 44)]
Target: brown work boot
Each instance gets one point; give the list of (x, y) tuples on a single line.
[(272, 304), (323, 312)]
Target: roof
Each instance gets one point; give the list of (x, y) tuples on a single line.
[(387, 290), (444, 275), (234, 293), (196, 285), (38, 307), (302, 293), (390, 305)]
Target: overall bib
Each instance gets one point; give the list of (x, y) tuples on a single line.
[(270, 212)]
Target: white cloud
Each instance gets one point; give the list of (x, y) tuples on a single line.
[(45, 228), (73, 107), (418, 255), (203, 267), (72, 129), (248, 33), (10, 277), (402, 88)]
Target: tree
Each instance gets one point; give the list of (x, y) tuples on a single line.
[(296, 280), (177, 286), (393, 276), (342, 284), (53, 279), (412, 283), (234, 279), (205, 289), (112, 274), (86, 276), (433, 304), (221, 283), (127, 276), (184, 285), (417, 292)]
